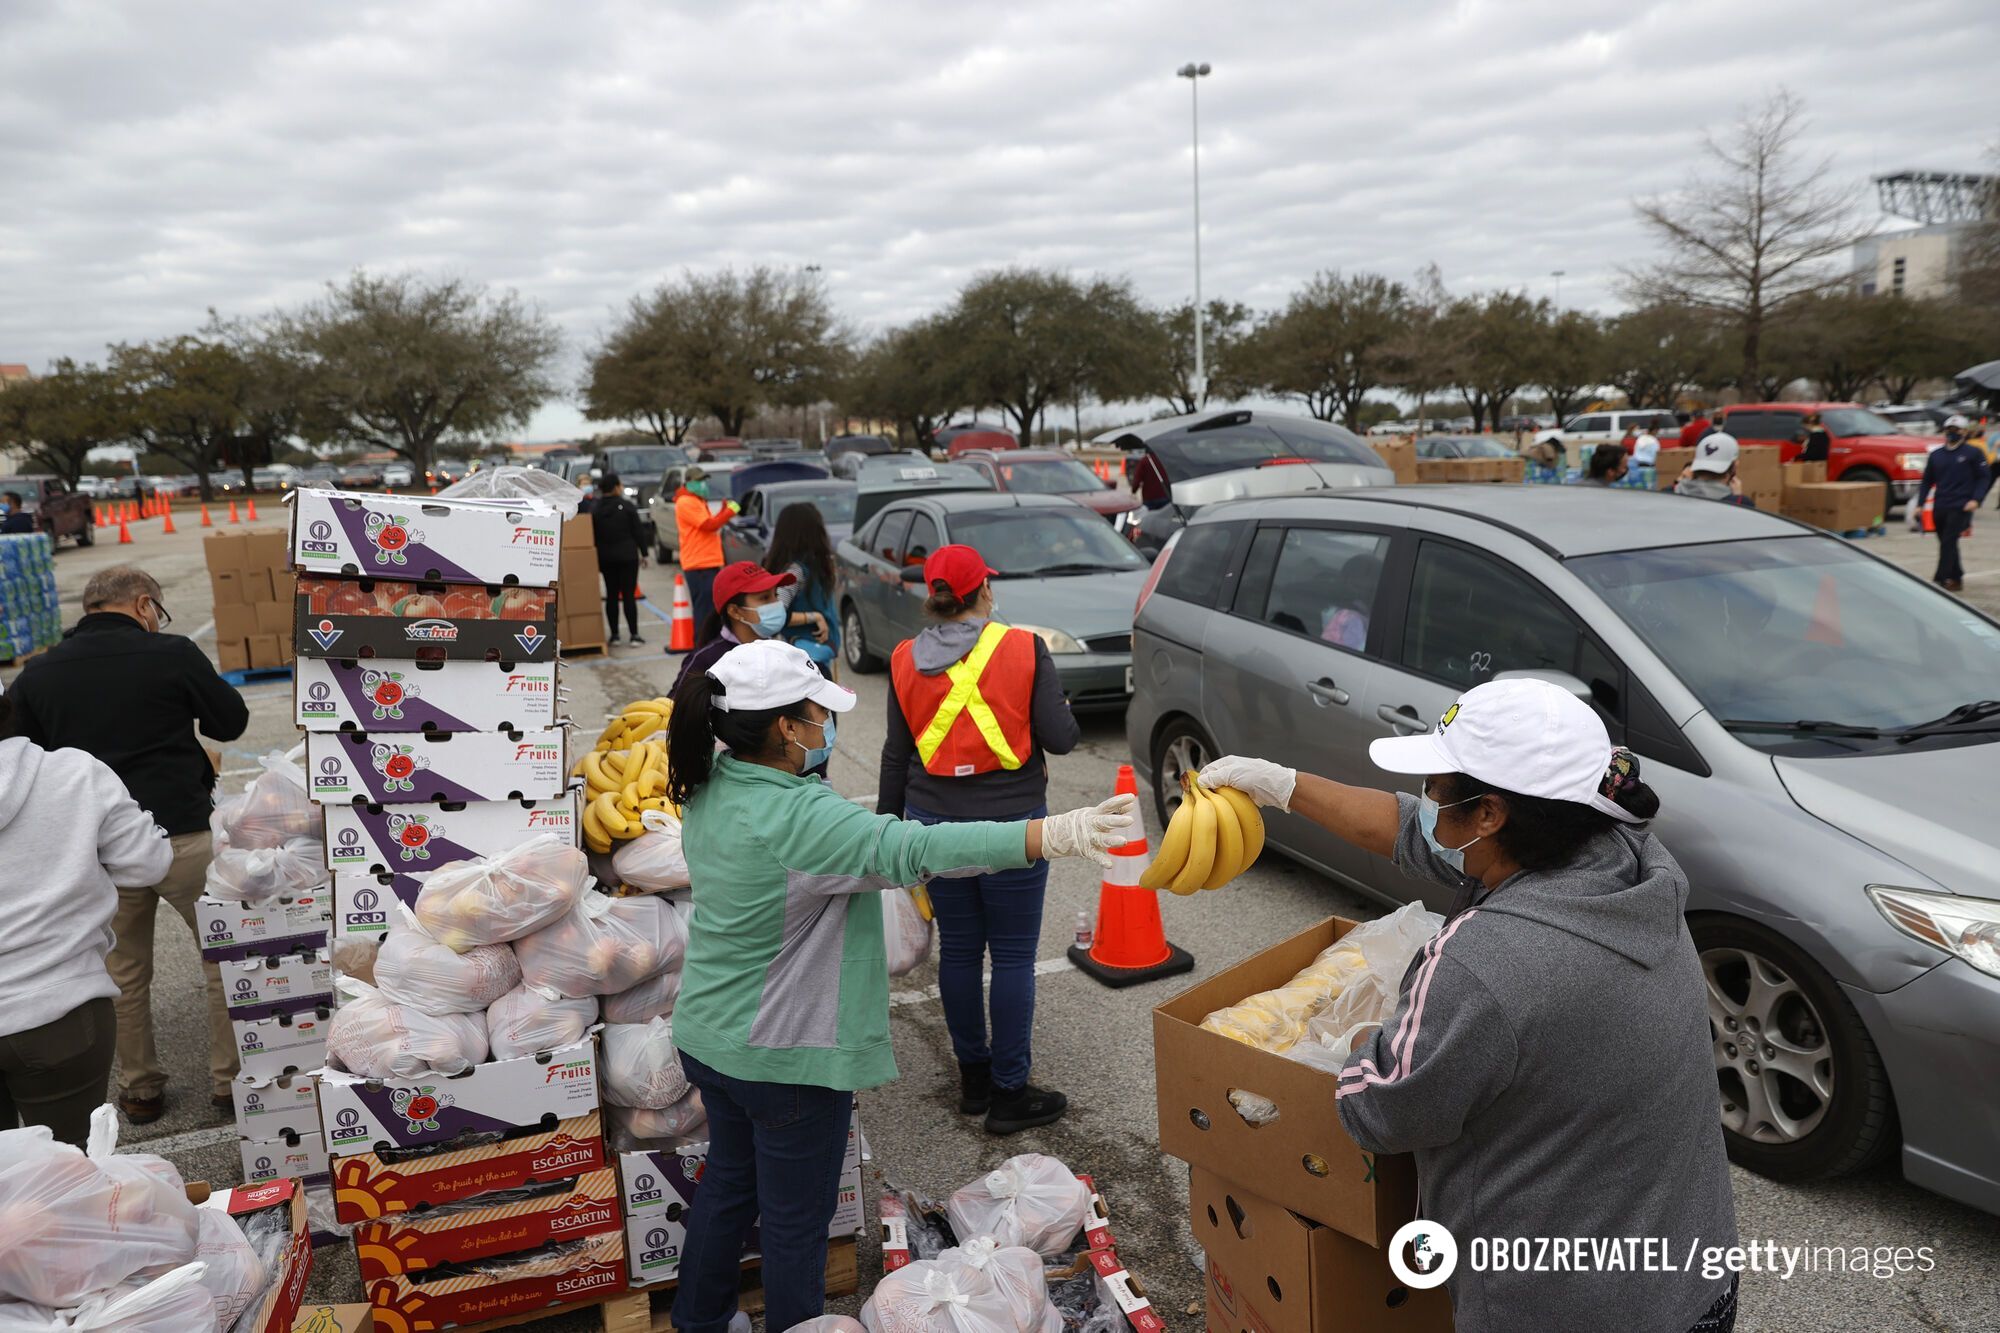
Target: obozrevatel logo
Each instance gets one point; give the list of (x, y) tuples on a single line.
[(1422, 1254), (319, 539), (391, 536), (398, 765)]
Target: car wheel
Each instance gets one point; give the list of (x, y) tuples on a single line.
[(668, 555), (86, 536), (1804, 1093), (1181, 748), (853, 648), (1870, 474)]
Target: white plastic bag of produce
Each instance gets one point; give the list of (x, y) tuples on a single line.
[(354, 956), (828, 1323), (236, 1275), (650, 999), (1029, 1200), (508, 482), (373, 1036), (255, 874), (604, 946), (174, 1302), (653, 860), (1015, 1271), (527, 1021), (504, 897), (634, 1126), (641, 1066), (73, 1224), (905, 933), (414, 969), (272, 808), (1369, 996), (930, 1297)]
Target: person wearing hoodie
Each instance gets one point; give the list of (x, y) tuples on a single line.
[(69, 817), (1712, 473), (973, 705), (1549, 1061), (700, 535)]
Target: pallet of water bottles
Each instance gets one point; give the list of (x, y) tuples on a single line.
[(30, 610)]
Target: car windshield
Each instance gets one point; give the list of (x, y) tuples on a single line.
[(1021, 543), (645, 460), (1794, 629), (1047, 476), (1845, 421), (1189, 453), (834, 506)]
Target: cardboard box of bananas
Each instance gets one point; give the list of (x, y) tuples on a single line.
[(1213, 837), (625, 773)]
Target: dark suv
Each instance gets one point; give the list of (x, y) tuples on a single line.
[(58, 510)]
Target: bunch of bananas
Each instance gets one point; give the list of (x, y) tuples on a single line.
[(625, 774), (1214, 837)]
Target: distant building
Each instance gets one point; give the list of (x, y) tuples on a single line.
[(11, 374), (1919, 262)]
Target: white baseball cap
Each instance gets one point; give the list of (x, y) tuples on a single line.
[(771, 673), (1716, 453), (1957, 422), (1523, 735)]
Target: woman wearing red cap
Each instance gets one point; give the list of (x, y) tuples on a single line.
[(747, 608), (973, 704)]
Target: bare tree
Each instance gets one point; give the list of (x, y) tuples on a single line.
[(1754, 234)]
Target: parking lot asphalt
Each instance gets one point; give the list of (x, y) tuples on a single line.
[(1093, 1043)]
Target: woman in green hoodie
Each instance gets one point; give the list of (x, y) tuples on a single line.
[(784, 1007)]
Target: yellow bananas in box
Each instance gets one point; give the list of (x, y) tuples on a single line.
[(1213, 837), (625, 774)]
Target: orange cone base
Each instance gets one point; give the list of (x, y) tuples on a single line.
[(1177, 961)]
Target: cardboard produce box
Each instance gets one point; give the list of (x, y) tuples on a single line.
[(354, 1318), (283, 1157), (1432, 471), (1801, 474), (580, 534), (528, 1092), (273, 1108), (265, 651), (265, 987), (399, 620), (233, 930), (268, 1048), (582, 631), (1303, 1159), (1668, 467), (227, 587), (381, 839), (510, 541), (379, 1184), (337, 695), (235, 621), (278, 1306), (232, 655), (410, 1243), (1759, 465), (1837, 506), (364, 903), (551, 1276), (1400, 456), (347, 766)]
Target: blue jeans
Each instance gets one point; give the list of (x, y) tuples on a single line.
[(774, 1149), (701, 599), (998, 913)]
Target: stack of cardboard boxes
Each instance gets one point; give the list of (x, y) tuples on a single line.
[(1293, 1216), (1757, 467), (1400, 456), (250, 573), (1471, 469), (279, 989), (582, 624), (1837, 506)]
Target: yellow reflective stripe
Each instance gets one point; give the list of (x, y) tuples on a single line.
[(964, 696)]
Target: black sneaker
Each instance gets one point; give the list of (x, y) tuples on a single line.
[(613, 639), (1022, 1108), (975, 1084), (637, 641)]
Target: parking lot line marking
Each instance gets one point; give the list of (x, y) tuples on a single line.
[(206, 628), (186, 1141), (897, 999)]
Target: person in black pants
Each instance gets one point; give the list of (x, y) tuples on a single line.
[(1959, 475), (614, 525)]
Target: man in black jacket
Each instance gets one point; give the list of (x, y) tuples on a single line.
[(119, 689), (1958, 474), (614, 524)]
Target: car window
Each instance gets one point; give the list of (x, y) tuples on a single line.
[(923, 539), (889, 534), (1323, 585), (1582, 425), (1471, 618), (1200, 561)]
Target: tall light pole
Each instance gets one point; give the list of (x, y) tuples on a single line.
[(1194, 74), (1557, 274)]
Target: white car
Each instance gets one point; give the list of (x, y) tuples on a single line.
[(1393, 428), (398, 474), (1592, 428)]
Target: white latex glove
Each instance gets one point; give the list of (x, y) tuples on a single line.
[(1091, 831), (1261, 780)]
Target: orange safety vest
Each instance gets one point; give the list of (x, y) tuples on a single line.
[(960, 729)]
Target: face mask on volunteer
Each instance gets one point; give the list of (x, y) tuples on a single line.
[(819, 754), (1427, 823), (698, 488), (771, 618)]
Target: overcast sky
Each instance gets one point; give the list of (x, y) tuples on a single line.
[(158, 159)]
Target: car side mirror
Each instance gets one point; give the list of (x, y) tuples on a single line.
[(1562, 680), (913, 573)]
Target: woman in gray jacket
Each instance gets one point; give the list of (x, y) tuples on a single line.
[(71, 836), (1549, 1062)]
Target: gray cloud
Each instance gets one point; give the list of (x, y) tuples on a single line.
[(163, 159)]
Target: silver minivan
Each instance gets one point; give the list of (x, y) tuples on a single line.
[(1819, 725)]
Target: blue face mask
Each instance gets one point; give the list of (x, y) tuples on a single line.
[(819, 754), (771, 618), (1427, 822)]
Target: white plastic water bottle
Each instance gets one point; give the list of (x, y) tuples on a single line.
[(1083, 932)]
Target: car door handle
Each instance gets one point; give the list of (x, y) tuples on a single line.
[(1403, 716), (1324, 691)]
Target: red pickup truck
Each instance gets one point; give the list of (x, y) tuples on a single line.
[(1861, 446)]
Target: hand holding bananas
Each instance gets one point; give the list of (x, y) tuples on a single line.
[(1261, 780), (1213, 837), (626, 774), (1091, 831)]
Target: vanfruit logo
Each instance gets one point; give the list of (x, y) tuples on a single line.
[(431, 631), (319, 539)]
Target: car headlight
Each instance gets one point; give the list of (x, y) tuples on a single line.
[(1912, 462), (1967, 927), (1056, 641)]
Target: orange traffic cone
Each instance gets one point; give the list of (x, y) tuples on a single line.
[(232, 513), (167, 529), (1130, 944), (99, 511), (681, 637), (253, 509), (1930, 518), (206, 521), (124, 533)]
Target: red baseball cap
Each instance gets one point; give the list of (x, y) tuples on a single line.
[(962, 569), (732, 581)]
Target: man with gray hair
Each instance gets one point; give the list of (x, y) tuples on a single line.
[(119, 688)]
